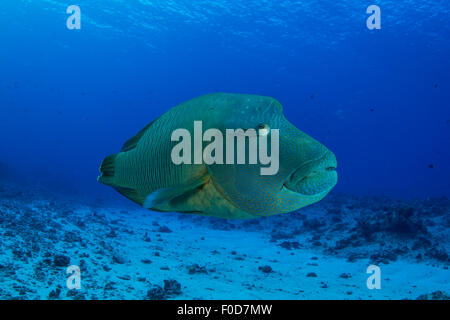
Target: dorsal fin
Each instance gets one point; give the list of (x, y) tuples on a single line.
[(131, 143)]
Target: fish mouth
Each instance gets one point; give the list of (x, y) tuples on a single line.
[(314, 177)]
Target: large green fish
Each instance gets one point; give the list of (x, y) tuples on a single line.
[(144, 170)]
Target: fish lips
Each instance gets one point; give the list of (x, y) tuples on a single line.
[(314, 177)]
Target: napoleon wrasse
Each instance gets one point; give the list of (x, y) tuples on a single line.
[(145, 172)]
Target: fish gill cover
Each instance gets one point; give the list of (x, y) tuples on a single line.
[(377, 98)]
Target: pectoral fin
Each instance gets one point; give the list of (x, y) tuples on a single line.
[(171, 198)]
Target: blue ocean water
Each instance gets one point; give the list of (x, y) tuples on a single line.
[(379, 99)]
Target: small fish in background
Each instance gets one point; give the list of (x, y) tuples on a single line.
[(144, 172), (431, 166), (435, 85), (372, 109)]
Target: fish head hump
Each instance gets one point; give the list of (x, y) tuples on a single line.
[(306, 168)]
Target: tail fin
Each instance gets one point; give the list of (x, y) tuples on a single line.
[(107, 170)]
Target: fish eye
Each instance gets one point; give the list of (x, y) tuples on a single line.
[(263, 129)]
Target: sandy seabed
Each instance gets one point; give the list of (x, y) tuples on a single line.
[(320, 252)]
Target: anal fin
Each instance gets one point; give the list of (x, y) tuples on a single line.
[(131, 194)]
